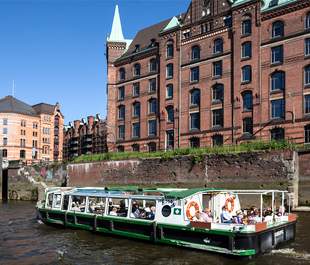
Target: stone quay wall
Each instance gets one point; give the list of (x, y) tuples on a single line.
[(255, 170)]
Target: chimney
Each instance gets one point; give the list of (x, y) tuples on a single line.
[(90, 120), (77, 124)]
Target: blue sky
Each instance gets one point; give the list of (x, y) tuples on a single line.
[(55, 49)]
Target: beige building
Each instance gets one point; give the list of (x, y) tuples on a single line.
[(30, 133)]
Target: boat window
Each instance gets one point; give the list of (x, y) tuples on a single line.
[(50, 200), (96, 205), (65, 203), (78, 203), (118, 207), (143, 209), (57, 201)]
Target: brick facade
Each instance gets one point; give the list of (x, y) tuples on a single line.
[(239, 73), (85, 137)]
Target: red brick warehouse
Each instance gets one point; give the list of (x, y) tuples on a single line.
[(223, 72)]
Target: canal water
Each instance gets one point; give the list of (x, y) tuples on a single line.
[(24, 241)]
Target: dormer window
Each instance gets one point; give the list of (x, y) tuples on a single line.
[(137, 48)]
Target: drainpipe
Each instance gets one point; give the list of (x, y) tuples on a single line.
[(180, 88)]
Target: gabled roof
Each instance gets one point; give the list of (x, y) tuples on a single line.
[(10, 104), (144, 37), (174, 22)]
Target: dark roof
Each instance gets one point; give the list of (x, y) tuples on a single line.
[(144, 37), (44, 108), (10, 104)]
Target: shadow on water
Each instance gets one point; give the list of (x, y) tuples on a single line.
[(25, 241)]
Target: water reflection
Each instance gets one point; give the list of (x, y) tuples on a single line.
[(24, 241)]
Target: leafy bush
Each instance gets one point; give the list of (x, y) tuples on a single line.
[(197, 153)]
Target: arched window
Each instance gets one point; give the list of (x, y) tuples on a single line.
[(120, 149), (169, 91), (218, 93), (277, 134), (169, 71), (170, 114), (277, 81), (135, 148), (4, 153), (121, 112), (136, 130), (195, 97), (152, 147), (307, 134), (218, 46), (152, 106), (217, 140), (307, 75), (152, 126), (307, 21), (247, 99), (122, 74), (169, 50), (137, 69), (246, 50), (136, 109), (194, 142), (246, 74), (248, 125), (246, 28), (153, 65), (277, 29), (195, 52)]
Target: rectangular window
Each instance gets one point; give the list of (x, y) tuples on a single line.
[(121, 93), (218, 118), (307, 104), (121, 132), (169, 92), (170, 139), (195, 74), (143, 209), (278, 109), (195, 121), (307, 47), (277, 54), (152, 85), (5, 141), (217, 69), (136, 130), (5, 130), (169, 71), (96, 205), (5, 121), (22, 142), (246, 27), (152, 128), (246, 50), (248, 125), (118, 207), (23, 123), (46, 131), (136, 90), (307, 134)]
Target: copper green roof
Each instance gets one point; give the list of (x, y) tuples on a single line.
[(266, 4)]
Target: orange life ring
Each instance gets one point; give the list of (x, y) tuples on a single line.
[(191, 209), (230, 204)]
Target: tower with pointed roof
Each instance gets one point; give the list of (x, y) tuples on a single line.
[(116, 45)]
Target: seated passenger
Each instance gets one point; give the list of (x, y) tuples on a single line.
[(113, 212), (268, 216), (75, 207), (238, 219), (206, 216), (226, 217), (281, 211), (135, 211), (151, 214)]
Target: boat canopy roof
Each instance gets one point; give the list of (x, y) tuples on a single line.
[(167, 193)]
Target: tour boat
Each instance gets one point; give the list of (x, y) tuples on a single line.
[(173, 216)]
